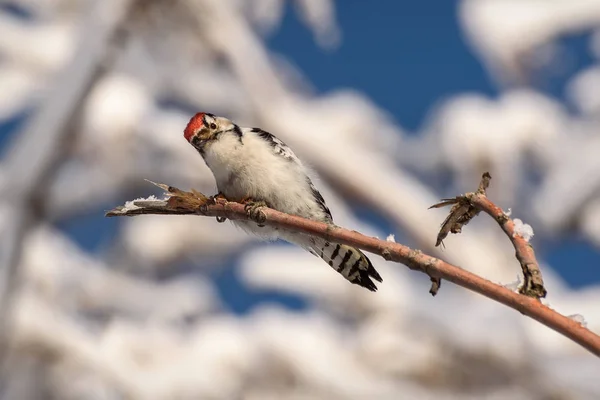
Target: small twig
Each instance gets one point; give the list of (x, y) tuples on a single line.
[(436, 283), (180, 202), (468, 206), (461, 213)]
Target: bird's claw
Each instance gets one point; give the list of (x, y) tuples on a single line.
[(253, 210), (218, 198)]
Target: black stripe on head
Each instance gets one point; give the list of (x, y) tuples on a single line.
[(238, 132)]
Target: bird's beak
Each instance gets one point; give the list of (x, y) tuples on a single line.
[(199, 141)]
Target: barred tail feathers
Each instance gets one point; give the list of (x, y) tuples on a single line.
[(350, 262)]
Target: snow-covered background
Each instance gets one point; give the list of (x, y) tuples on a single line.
[(393, 104)]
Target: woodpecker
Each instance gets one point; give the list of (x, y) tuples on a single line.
[(253, 166)]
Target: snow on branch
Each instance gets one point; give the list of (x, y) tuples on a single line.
[(179, 202)]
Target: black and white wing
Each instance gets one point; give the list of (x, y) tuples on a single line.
[(280, 148), (319, 199)]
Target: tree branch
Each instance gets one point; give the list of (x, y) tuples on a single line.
[(533, 284), (193, 203), (467, 206)]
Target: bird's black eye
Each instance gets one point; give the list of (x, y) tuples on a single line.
[(213, 125)]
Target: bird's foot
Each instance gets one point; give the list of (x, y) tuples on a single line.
[(253, 210), (219, 198), (246, 200)]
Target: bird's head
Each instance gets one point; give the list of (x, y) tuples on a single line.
[(204, 128)]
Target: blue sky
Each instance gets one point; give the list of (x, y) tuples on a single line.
[(405, 55)]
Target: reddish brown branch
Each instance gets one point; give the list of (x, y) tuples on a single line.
[(182, 202), (467, 206), (533, 284)]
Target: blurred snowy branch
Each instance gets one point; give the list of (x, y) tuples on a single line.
[(508, 34), (142, 315), (39, 151)]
